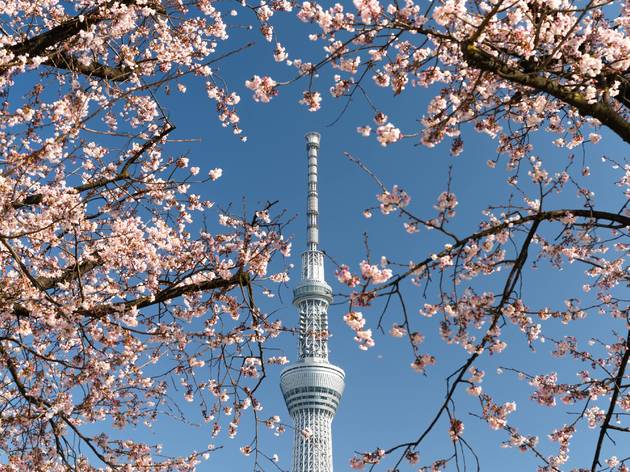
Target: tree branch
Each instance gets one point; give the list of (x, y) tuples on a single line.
[(510, 283), (541, 216), (122, 174), (62, 60), (613, 403), (37, 45), (606, 114)]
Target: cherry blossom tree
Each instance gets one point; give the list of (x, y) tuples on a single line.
[(517, 71), (109, 288), (112, 284)]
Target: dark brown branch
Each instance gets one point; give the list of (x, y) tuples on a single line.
[(542, 216), (601, 110), (62, 60), (510, 284), (21, 265), (486, 20), (38, 45), (122, 174), (242, 279), (613, 403), (35, 199), (238, 279), (619, 428), (70, 273), (45, 405)]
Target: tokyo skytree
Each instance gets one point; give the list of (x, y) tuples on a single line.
[(312, 386)]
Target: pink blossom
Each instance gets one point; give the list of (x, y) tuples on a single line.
[(246, 450), (416, 338), (364, 339), (373, 273), (456, 429), (354, 320), (594, 416), (280, 277), (410, 227), (387, 134), (612, 462), (421, 362), (279, 360), (345, 276), (412, 457), (397, 331), (380, 118), (390, 201), (264, 88), (279, 53), (368, 9), (446, 203), (215, 173), (364, 130), (312, 100)]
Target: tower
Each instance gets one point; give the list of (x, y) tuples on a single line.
[(312, 386)]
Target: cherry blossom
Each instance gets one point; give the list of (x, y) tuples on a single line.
[(215, 174), (344, 276), (374, 273), (312, 100), (95, 290), (388, 134), (264, 88), (390, 201), (115, 302), (456, 429), (421, 362)]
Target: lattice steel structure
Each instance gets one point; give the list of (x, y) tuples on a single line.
[(312, 386)]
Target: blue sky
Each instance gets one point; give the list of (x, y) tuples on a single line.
[(385, 401)]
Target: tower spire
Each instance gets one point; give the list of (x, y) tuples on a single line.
[(312, 228), (312, 386)]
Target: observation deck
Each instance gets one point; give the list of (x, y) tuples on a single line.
[(312, 384)]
